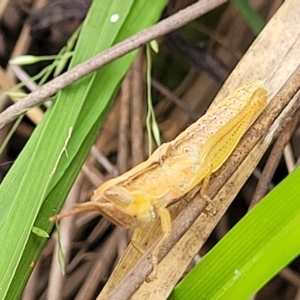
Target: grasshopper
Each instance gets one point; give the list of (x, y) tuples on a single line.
[(176, 168)]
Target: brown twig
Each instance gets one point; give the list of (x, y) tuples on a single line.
[(123, 149), (99, 230), (196, 206), (173, 98), (273, 161), (99, 268), (163, 27), (137, 128), (56, 278)]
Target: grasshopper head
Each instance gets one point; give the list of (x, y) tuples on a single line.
[(125, 208)]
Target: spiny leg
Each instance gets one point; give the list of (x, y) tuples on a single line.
[(204, 187), (203, 178), (78, 208)]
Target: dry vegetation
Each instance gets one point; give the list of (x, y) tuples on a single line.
[(187, 73)]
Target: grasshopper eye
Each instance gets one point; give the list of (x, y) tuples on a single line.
[(119, 195)]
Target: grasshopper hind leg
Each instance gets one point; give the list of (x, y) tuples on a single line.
[(206, 176), (203, 192), (205, 183)]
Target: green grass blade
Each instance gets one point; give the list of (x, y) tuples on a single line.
[(254, 251), (40, 179)]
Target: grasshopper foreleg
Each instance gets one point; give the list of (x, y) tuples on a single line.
[(166, 225)]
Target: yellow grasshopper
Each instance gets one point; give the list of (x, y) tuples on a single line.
[(176, 168)]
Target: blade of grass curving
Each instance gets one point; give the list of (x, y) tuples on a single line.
[(254, 251), (41, 178)]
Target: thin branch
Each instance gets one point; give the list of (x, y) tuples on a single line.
[(165, 26), (137, 111), (273, 162), (173, 98)]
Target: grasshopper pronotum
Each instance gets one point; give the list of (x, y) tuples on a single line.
[(176, 168)]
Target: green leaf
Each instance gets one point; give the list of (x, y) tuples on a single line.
[(155, 132), (40, 232), (40, 179), (154, 46), (30, 59), (254, 251)]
